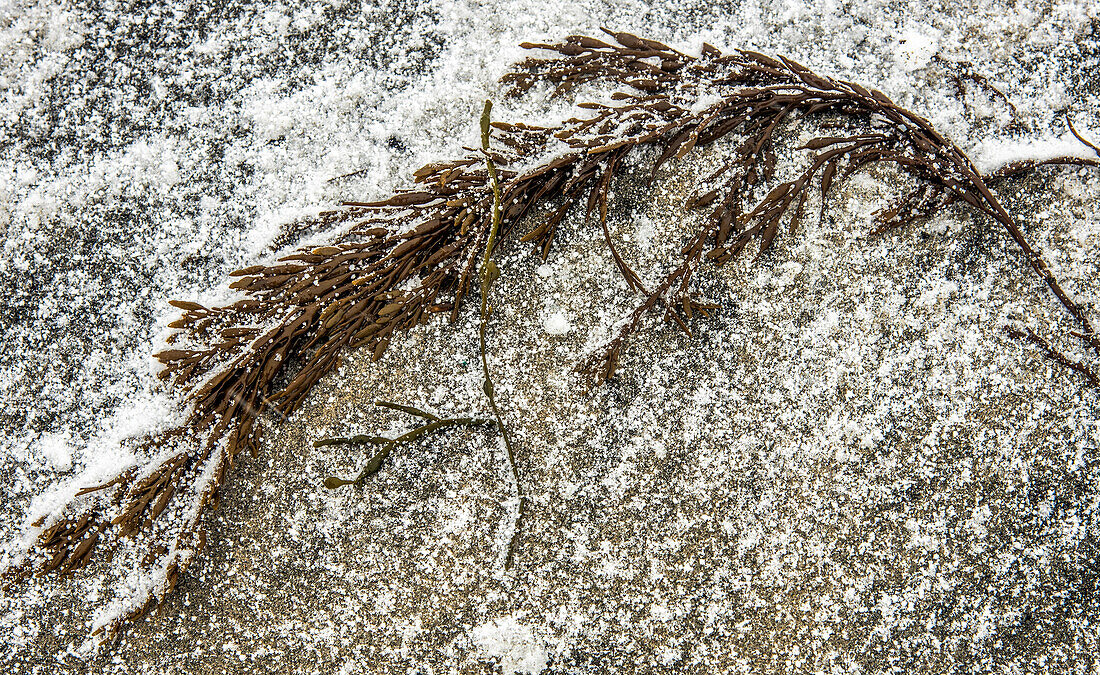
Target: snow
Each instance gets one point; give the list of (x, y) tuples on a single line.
[(514, 644), (55, 448), (556, 323), (991, 155), (916, 46)]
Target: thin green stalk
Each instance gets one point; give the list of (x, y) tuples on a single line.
[(388, 444), (489, 274)]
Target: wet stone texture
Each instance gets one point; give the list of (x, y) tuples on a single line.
[(850, 467)]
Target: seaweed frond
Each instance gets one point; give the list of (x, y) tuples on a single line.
[(400, 260)]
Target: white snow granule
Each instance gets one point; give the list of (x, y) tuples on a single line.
[(556, 323), (55, 448), (514, 643)]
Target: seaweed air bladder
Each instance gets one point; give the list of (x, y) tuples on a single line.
[(397, 262)]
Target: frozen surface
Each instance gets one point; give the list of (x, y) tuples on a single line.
[(850, 468)]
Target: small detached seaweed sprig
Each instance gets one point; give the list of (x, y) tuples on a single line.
[(397, 262), (387, 445)]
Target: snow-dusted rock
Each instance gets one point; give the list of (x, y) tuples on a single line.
[(851, 467)]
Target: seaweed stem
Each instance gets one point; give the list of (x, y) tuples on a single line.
[(435, 423), (489, 274)]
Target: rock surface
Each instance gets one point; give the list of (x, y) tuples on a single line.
[(850, 467)]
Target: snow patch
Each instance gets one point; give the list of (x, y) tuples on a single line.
[(557, 323), (515, 644), (917, 46), (55, 448), (991, 155)]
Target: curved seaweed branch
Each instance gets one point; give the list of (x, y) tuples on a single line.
[(399, 261)]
